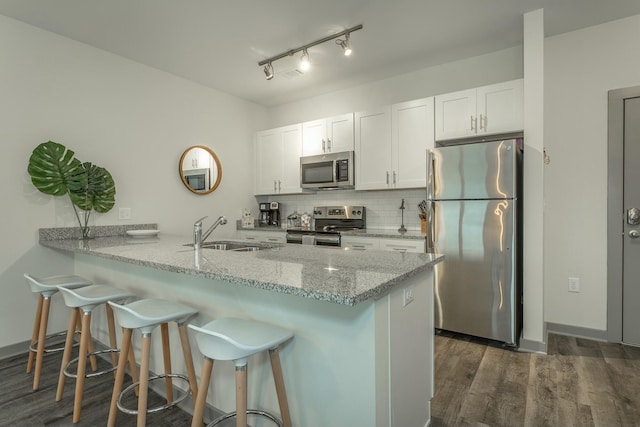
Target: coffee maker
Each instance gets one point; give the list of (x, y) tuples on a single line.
[(269, 214)]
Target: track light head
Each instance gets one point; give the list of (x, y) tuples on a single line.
[(268, 71), (344, 44), (304, 61)]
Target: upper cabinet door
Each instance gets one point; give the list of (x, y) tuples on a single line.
[(330, 135), (500, 107), (372, 149), (340, 133), (412, 134), (455, 115), (277, 160), (314, 137), (291, 152), (268, 161), (486, 110)]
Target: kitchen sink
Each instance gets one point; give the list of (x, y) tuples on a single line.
[(235, 246)]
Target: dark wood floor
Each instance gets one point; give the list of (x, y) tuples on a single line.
[(21, 406), (578, 383)]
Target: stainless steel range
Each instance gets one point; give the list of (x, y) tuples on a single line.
[(329, 222)]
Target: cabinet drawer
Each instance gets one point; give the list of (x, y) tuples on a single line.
[(402, 245)]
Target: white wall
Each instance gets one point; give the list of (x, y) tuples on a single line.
[(580, 68), (131, 119)]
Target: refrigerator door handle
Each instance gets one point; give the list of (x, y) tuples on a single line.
[(430, 177), (430, 226)]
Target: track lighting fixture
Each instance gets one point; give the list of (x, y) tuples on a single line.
[(304, 62), (344, 44), (268, 71)]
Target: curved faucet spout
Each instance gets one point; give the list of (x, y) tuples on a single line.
[(199, 236)]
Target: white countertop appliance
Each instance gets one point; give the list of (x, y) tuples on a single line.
[(329, 221)]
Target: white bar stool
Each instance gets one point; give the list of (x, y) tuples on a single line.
[(46, 287), (146, 315), (237, 339), (86, 299)]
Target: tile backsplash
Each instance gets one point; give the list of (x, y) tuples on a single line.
[(383, 207)]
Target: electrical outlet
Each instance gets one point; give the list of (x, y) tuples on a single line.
[(574, 284), (124, 213), (407, 296)]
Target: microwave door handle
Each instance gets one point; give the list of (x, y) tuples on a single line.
[(336, 172)]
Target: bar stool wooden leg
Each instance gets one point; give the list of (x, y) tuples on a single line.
[(66, 354), (132, 366), (166, 356), (241, 396), (34, 335), (144, 380), (85, 337), (125, 348), (90, 349), (42, 335), (201, 397), (276, 368), (111, 324), (188, 359)]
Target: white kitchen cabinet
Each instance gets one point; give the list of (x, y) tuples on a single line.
[(359, 243), (262, 236), (196, 158), (412, 133), (391, 145), (372, 149), (277, 160), (382, 244), (403, 245), (331, 135), (486, 110)]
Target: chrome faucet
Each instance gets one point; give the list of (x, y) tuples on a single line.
[(198, 236)]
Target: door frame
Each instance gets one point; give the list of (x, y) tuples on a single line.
[(615, 209)]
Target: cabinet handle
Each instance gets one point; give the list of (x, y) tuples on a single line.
[(394, 177), (275, 186), (359, 247), (250, 238), (471, 123), (482, 118), (279, 186), (400, 249), (272, 239), (324, 146), (328, 145), (387, 177)]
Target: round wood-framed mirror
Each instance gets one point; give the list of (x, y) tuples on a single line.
[(200, 169)]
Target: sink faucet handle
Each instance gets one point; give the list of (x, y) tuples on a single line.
[(199, 222)]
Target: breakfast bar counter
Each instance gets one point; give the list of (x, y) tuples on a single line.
[(362, 352)]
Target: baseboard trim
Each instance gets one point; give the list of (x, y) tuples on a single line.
[(577, 331), (530, 346), (15, 349)]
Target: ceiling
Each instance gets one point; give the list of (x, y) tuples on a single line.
[(219, 43)]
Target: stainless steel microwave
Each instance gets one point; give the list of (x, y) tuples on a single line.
[(327, 171)]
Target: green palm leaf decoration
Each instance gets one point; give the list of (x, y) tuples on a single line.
[(54, 170)]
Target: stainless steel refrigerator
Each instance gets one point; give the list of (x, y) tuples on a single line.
[(474, 219)]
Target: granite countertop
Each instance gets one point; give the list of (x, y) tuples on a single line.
[(323, 273)]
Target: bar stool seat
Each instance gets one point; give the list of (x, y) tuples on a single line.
[(46, 287), (145, 315), (237, 339), (84, 300)]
